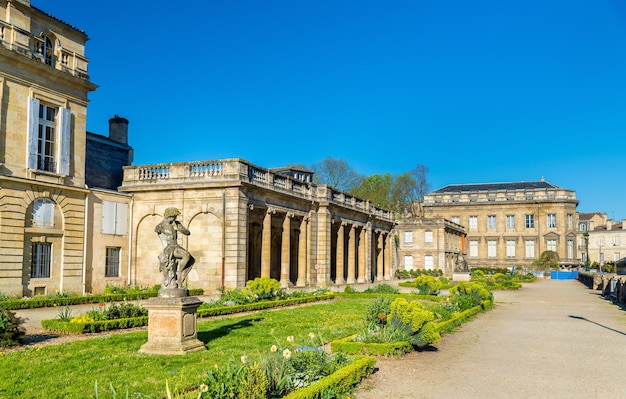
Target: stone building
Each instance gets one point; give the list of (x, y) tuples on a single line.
[(605, 237), (249, 222), (43, 91), (510, 223), (430, 244), (106, 156)]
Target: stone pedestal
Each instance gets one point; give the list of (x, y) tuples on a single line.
[(461, 276), (172, 326)]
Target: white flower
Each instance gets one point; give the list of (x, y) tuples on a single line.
[(286, 353), (204, 388), (274, 348), (311, 335), (290, 339), (244, 359)]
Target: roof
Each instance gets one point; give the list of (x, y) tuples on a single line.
[(82, 32), (588, 216), (496, 186)]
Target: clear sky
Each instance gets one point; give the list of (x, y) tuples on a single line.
[(478, 91)]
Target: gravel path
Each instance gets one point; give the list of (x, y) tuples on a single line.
[(551, 339)]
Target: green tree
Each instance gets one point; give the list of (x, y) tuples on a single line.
[(548, 260), (336, 173), (378, 189)]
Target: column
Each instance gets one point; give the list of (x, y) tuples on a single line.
[(379, 257), (302, 254), (266, 244), (285, 251), (351, 256), (387, 256), (340, 252), (361, 252)]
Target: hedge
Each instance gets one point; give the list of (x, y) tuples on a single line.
[(460, 318), (351, 347), (224, 310), (341, 381), (44, 302), (431, 298)]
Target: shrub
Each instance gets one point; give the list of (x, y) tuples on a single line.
[(411, 316), (377, 312), (263, 287), (469, 294), (11, 330), (428, 285), (383, 289)]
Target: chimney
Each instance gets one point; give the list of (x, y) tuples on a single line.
[(118, 129)]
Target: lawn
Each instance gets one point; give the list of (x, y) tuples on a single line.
[(70, 370)]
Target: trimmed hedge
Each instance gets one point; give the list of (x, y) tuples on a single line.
[(341, 381), (431, 298), (347, 345), (57, 325), (448, 325), (45, 302)]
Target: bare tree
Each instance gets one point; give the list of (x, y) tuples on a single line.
[(337, 174)]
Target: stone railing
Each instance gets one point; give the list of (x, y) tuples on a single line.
[(29, 45), (238, 169)]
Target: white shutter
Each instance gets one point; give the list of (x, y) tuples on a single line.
[(65, 119), (120, 218), (32, 132), (108, 217)]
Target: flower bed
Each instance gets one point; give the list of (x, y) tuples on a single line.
[(350, 346)]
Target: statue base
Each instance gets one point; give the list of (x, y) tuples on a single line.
[(172, 326), (461, 276)]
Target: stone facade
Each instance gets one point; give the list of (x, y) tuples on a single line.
[(510, 224), (430, 244), (249, 222), (606, 238)]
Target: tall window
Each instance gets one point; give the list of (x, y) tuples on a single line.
[(428, 237), (551, 217), (530, 249), (408, 262), (570, 249), (616, 240), (43, 212), (600, 241), (48, 137), (510, 221), (408, 237), (510, 248), (551, 245), (47, 51), (473, 222), (491, 222), (40, 260), (473, 249), (112, 266), (428, 262), (616, 256), (570, 220), (530, 221), (491, 249), (114, 217)]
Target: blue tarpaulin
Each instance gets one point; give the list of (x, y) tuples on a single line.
[(558, 275)]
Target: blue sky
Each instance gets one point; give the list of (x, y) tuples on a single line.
[(478, 91)]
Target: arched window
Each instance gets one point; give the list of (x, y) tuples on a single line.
[(46, 49), (43, 212)]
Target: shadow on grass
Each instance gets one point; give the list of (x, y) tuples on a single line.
[(208, 336)]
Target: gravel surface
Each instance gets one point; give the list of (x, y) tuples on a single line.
[(551, 339)]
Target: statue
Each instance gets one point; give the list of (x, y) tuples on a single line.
[(175, 261), (461, 264)]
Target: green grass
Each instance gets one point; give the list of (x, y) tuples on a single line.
[(70, 370)]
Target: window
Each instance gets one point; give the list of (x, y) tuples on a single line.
[(473, 222), (408, 237), (551, 245), (551, 218), (40, 260), (473, 249), (48, 137), (510, 221), (456, 219), (600, 241), (530, 248), (112, 267), (491, 249), (491, 222), (428, 237), (616, 240), (530, 221), (428, 262), (616, 256), (510, 248), (582, 226), (570, 220), (114, 217), (408, 262), (47, 51), (570, 249), (601, 257), (43, 212)]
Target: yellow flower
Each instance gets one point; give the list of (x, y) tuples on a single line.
[(204, 388), (274, 348), (286, 353), (290, 339), (232, 395)]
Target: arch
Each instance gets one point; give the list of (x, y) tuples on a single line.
[(205, 245)]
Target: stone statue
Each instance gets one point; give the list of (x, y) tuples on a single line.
[(175, 261), (461, 264)]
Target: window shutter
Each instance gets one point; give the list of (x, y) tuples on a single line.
[(108, 217), (32, 133), (120, 218), (65, 118)]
